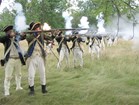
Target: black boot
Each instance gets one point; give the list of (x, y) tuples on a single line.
[(44, 89), (31, 93)]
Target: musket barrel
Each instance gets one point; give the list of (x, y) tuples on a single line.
[(52, 30)]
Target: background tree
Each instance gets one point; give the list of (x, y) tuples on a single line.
[(39, 11), (45, 11), (50, 11), (110, 8), (7, 18)]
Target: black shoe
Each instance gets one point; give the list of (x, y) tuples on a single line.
[(44, 91), (31, 93)]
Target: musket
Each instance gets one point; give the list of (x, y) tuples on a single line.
[(81, 35), (84, 35), (53, 30)]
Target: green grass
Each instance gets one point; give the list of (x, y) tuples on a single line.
[(111, 80)]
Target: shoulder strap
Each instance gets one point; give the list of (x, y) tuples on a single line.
[(33, 40), (8, 50), (40, 43), (80, 46), (61, 41)]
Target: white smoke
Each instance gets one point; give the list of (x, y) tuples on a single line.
[(20, 19), (100, 24), (46, 26), (136, 36), (83, 24), (126, 30), (68, 19)]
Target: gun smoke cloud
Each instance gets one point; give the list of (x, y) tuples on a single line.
[(68, 19), (127, 29), (100, 24), (83, 24), (20, 19), (46, 26)]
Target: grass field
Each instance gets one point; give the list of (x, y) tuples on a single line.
[(111, 80)]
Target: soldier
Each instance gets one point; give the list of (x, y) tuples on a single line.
[(36, 57), (12, 59), (77, 49), (63, 48)]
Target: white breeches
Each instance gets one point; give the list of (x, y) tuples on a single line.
[(64, 53), (11, 65), (33, 63), (48, 48), (102, 44), (89, 49), (109, 42), (95, 49), (77, 56)]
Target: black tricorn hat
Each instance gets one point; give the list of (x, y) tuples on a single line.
[(7, 28), (33, 25)]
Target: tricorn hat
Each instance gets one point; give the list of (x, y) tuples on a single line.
[(7, 28), (33, 25)]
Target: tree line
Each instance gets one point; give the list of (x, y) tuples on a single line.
[(50, 11)]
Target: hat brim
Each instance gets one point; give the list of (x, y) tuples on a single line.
[(7, 28), (36, 25)]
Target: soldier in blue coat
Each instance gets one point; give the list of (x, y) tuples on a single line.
[(13, 58), (36, 57)]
